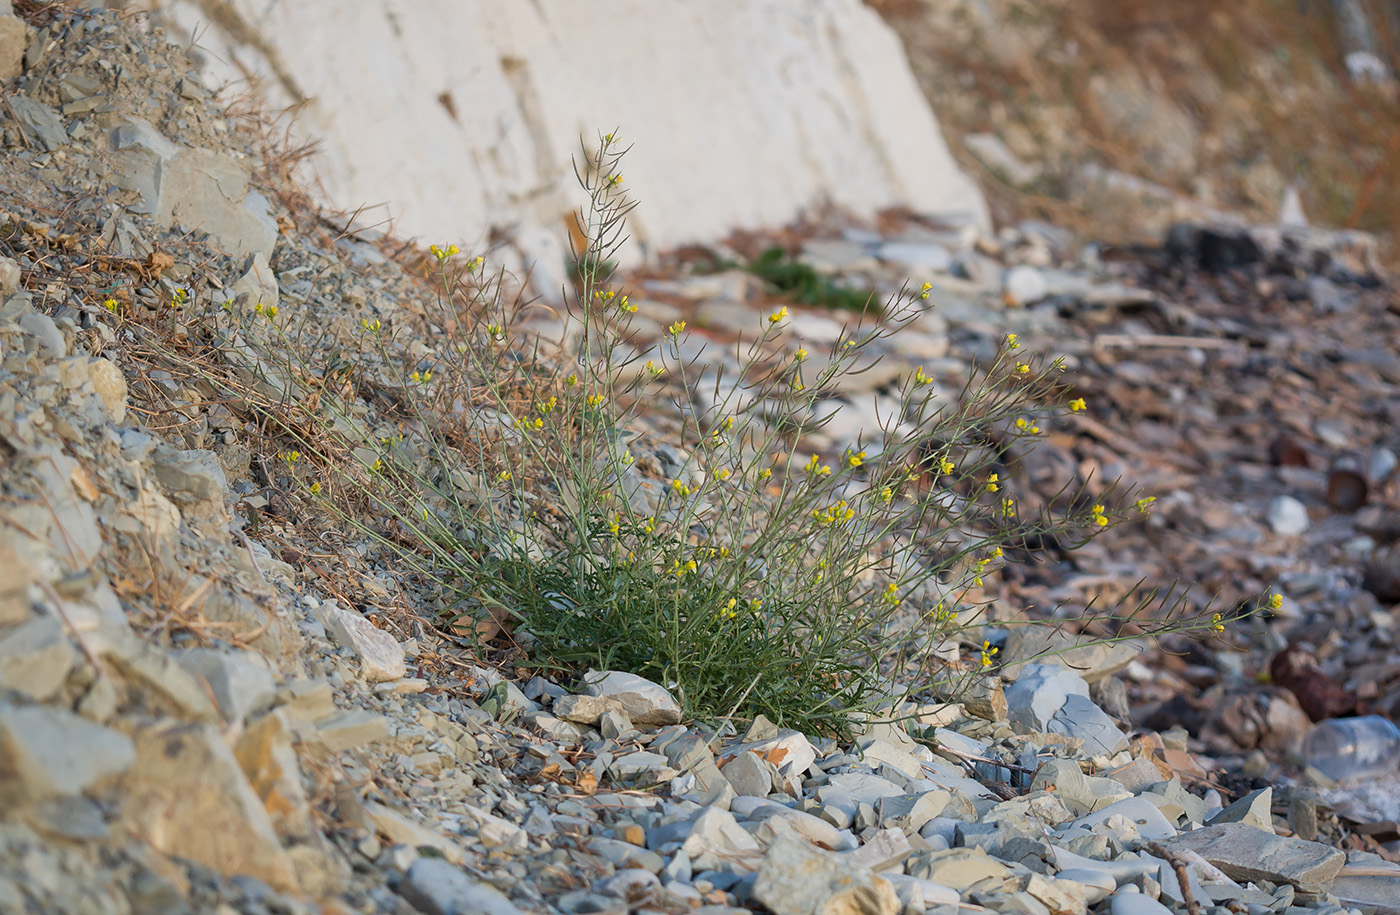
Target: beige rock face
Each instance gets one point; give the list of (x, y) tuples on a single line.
[(465, 114), (187, 796)]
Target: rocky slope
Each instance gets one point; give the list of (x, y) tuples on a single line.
[(215, 699)]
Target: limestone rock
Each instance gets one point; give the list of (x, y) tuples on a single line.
[(832, 67), (240, 681), (35, 657), (198, 189), (434, 886), (1245, 853), (381, 656), (1254, 809), (49, 752), (796, 879), (642, 701), (1047, 698), (110, 384), (12, 40), (187, 796)]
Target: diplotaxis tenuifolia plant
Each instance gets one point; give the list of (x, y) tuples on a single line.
[(644, 511)]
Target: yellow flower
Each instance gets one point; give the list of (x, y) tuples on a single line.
[(649, 525), (886, 494), (816, 467), (653, 368), (778, 315), (625, 305), (291, 457), (676, 328), (1098, 517), (945, 466), (1216, 623), (800, 355), (1011, 341), (1022, 368), (1077, 405), (755, 603), (422, 377), (571, 380), (996, 552), (680, 488), (1275, 601), (921, 379), (1027, 427), (992, 483), (988, 652), (370, 326), (504, 476), (594, 400), (723, 473), (110, 305), (315, 488), (495, 330), (765, 473), (797, 384), (1008, 507), (1142, 504), (891, 595), (924, 291), (855, 460), (730, 611)]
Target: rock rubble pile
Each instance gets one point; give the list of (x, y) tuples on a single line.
[(206, 706)]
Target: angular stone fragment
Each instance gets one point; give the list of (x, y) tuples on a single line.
[(239, 681), (642, 701), (797, 879), (35, 657), (1050, 699), (1247, 853), (110, 384), (958, 868), (351, 729), (717, 842), (435, 887), (910, 812), (1254, 809), (49, 752), (187, 796), (748, 775), (381, 656)]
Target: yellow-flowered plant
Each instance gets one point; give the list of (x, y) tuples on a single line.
[(727, 558)]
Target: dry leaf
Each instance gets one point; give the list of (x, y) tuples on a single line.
[(587, 783)]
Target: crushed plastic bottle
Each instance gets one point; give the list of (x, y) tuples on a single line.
[(1346, 749)]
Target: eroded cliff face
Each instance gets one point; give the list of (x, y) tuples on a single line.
[(458, 119)]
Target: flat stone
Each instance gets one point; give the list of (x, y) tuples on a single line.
[(642, 701), (110, 385), (1095, 885), (1036, 644), (240, 681), (437, 887), (189, 476), (812, 828), (1047, 698), (72, 817), (1125, 903), (910, 812), (35, 658), (12, 39), (958, 868), (717, 842), (1253, 809), (1146, 818), (348, 730), (1139, 774), (749, 775), (1247, 853), (381, 656), (797, 879), (187, 796), (50, 752), (38, 121), (885, 849), (789, 751), (1082, 794), (45, 332), (555, 729), (1287, 516), (641, 766)]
